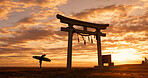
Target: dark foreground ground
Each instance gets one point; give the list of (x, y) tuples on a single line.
[(124, 71)]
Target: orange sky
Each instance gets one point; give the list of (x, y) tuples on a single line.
[(30, 27)]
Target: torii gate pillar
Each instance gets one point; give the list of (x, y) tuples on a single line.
[(99, 48), (69, 52)]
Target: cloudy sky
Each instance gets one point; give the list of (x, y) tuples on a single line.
[(30, 27)]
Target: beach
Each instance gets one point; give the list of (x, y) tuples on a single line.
[(121, 71)]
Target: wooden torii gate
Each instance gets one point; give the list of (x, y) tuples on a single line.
[(70, 29)]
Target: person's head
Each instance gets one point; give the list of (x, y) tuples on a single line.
[(44, 55)]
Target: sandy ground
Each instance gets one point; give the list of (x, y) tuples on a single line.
[(124, 71)]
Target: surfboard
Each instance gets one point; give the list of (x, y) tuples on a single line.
[(44, 59)]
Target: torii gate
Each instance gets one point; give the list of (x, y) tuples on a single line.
[(70, 29)]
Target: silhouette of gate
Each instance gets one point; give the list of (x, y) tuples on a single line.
[(70, 29)]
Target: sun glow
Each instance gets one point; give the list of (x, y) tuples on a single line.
[(124, 55)]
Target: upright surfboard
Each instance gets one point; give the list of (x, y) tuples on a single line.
[(44, 59)]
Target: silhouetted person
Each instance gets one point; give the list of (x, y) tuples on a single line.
[(40, 60), (146, 60)]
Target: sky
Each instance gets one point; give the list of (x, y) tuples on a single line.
[(30, 28)]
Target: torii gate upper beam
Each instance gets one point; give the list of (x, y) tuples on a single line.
[(81, 23)]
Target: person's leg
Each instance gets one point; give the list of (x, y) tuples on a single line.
[(40, 63)]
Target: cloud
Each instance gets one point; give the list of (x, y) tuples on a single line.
[(12, 50), (27, 20), (45, 8), (27, 35), (11, 6), (119, 17), (127, 29), (120, 9), (3, 31), (43, 3), (7, 7)]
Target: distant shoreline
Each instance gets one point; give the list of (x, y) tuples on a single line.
[(77, 67)]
